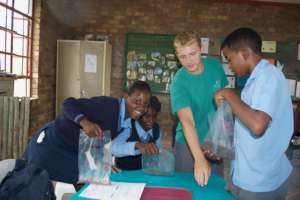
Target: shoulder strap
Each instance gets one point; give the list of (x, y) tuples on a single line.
[(134, 136)]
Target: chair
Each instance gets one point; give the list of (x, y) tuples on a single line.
[(63, 190), (6, 166)]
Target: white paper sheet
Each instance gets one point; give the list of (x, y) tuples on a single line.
[(226, 69), (298, 89), (115, 191), (204, 45), (298, 52), (269, 46), (231, 81), (279, 65), (90, 63), (292, 86)]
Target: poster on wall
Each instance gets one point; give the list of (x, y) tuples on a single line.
[(150, 58), (90, 63)]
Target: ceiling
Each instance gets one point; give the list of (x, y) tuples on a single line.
[(282, 1)]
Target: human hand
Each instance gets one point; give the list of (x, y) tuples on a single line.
[(202, 171), (212, 157), (219, 97), (91, 129), (147, 148), (224, 94)]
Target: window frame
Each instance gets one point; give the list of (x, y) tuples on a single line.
[(24, 68)]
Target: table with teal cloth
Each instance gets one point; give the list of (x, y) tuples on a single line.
[(213, 191)]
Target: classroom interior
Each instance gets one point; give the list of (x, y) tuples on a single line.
[(110, 22)]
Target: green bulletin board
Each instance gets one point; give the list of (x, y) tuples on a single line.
[(151, 58)]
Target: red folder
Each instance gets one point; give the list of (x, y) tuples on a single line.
[(166, 193)]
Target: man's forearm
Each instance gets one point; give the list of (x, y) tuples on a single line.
[(193, 141)]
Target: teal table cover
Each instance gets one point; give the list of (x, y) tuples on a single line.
[(213, 191)]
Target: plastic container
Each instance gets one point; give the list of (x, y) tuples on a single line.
[(160, 164)]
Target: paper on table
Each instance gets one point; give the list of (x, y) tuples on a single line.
[(115, 191)]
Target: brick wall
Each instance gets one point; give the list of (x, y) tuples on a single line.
[(114, 18), (46, 31)]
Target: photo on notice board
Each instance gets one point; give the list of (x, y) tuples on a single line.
[(150, 58)]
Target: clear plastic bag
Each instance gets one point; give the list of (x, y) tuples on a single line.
[(94, 158), (159, 164), (219, 139)]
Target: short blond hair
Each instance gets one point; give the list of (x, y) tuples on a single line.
[(186, 38)]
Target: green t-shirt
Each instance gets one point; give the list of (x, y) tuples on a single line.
[(197, 93)]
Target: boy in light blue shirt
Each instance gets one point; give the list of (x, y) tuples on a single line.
[(143, 137), (263, 123)]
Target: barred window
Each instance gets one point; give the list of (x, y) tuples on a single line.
[(16, 43)]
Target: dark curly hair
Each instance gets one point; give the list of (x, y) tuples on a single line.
[(241, 38), (139, 85), (154, 103)]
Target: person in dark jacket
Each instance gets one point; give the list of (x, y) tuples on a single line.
[(143, 138), (55, 146)]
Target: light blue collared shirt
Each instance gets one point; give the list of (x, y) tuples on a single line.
[(120, 147), (124, 124), (260, 163)]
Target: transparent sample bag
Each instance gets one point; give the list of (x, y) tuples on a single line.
[(159, 164), (219, 139), (94, 158)]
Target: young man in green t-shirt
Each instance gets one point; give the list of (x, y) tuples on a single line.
[(192, 93)]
